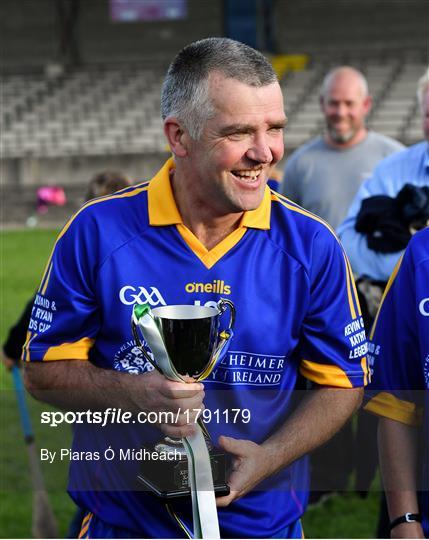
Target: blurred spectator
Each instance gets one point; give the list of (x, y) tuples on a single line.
[(49, 196), (324, 174), (105, 183), (411, 166), (101, 184)]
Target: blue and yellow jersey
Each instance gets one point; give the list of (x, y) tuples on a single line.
[(297, 310), (399, 347)]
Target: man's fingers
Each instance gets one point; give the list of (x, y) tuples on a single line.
[(221, 502), (233, 446), (187, 416), (179, 390), (178, 432), (185, 405)]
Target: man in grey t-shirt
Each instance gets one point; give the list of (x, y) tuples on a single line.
[(324, 174)]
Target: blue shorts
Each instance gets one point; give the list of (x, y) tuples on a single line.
[(93, 527)]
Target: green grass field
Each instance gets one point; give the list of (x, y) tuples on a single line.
[(23, 257)]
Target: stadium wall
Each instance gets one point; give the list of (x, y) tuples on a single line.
[(31, 36), (32, 171), (22, 176), (373, 27)]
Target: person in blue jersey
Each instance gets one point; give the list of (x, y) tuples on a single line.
[(205, 227), (409, 166), (398, 393), (371, 266)]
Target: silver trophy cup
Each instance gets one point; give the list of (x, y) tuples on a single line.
[(184, 340)]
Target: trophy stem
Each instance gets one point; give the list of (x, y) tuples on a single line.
[(173, 444)]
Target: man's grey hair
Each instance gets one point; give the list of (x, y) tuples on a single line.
[(330, 76), (422, 87), (185, 92)]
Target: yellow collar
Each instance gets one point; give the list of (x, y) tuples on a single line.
[(163, 209)]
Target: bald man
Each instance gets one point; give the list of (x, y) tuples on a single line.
[(325, 173)]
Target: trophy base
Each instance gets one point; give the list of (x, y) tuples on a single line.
[(168, 478)]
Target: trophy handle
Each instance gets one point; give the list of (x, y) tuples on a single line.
[(139, 343), (222, 305)]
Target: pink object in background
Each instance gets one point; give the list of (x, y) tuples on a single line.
[(50, 196)]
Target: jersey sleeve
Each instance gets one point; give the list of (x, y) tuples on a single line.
[(64, 319), (397, 377), (333, 344)]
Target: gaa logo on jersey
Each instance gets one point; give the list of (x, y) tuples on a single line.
[(129, 358), (129, 295)]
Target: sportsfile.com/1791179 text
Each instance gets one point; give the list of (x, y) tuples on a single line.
[(111, 415)]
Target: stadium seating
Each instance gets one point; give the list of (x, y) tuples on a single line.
[(85, 112), (116, 110)]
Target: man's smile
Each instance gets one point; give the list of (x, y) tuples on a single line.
[(249, 176)]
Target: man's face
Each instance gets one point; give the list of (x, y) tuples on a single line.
[(231, 161), (345, 107), (425, 114)]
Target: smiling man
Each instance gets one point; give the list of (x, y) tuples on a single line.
[(225, 171), (205, 223), (325, 173)]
